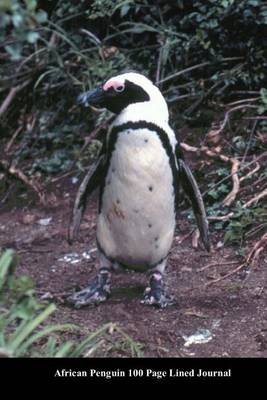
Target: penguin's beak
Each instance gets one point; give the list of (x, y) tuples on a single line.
[(95, 97)]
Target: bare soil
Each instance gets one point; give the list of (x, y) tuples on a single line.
[(232, 315)]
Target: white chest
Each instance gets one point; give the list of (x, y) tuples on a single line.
[(137, 219)]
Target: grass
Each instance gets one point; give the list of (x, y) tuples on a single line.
[(26, 332)]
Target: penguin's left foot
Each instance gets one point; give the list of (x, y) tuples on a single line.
[(96, 292), (155, 294)]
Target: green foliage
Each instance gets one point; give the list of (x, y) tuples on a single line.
[(24, 331), (19, 21), (239, 226)]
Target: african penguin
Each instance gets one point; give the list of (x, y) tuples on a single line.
[(138, 171)]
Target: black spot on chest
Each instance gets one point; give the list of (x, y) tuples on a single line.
[(139, 125)]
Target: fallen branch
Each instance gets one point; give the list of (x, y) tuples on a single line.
[(12, 93), (22, 177), (184, 237), (230, 198), (250, 173), (227, 116), (221, 217), (255, 198), (193, 67), (235, 166), (250, 260), (243, 101), (227, 275), (195, 238), (13, 138), (258, 247), (240, 169), (216, 265)]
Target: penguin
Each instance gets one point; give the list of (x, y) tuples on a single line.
[(139, 172)]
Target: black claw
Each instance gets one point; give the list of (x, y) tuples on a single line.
[(96, 292)]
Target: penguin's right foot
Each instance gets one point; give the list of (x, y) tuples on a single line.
[(96, 292)]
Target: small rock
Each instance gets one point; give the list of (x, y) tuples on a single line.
[(216, 323), (47, 296), (28, 219), (199, 337), (74, 180), (72, 258), (186, 269), (45, 221)]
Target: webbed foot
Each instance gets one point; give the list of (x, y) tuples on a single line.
[(96, 292), (155, 294)]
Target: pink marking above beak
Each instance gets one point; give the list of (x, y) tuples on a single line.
[(112, 83)]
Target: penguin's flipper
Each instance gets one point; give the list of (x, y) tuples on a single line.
[(191, 190), (90, 182)]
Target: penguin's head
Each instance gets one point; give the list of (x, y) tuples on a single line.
[(124, 90)]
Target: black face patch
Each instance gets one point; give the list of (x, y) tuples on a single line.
[(117, 101)]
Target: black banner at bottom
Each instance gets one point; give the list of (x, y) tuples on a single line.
[(134, 370)]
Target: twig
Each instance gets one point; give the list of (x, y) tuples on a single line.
[(159, 65), (12, 93), (87, 141), (195, 238), (227, 115), (21, 176), (221, 218), (235, 165), (13, 138), (255, 198), (255, 123), (256, 118), (230, 198), (217, 265), (58, 178), (251, 258), (256, 229), (7, 193), (197, 103), (250, 173), (230, 175), (184, 237), (201, 65), (241, 266), (242, 101), (255, 251)]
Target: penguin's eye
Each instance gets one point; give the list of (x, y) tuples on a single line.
[(119, 89)]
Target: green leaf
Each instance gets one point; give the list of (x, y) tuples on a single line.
[(17, 339), (5, 265), (32, 37), (263, 94), (41, 16), (17, 20), (64, 350), (31, 4), (89, 340), (44, 332), (14, 51), (124, 10)]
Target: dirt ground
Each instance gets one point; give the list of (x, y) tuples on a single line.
[(229, 318)]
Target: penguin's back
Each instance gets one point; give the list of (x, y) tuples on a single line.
[(137, 207)]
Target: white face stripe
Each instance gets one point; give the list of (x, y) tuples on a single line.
[(113, 83)]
